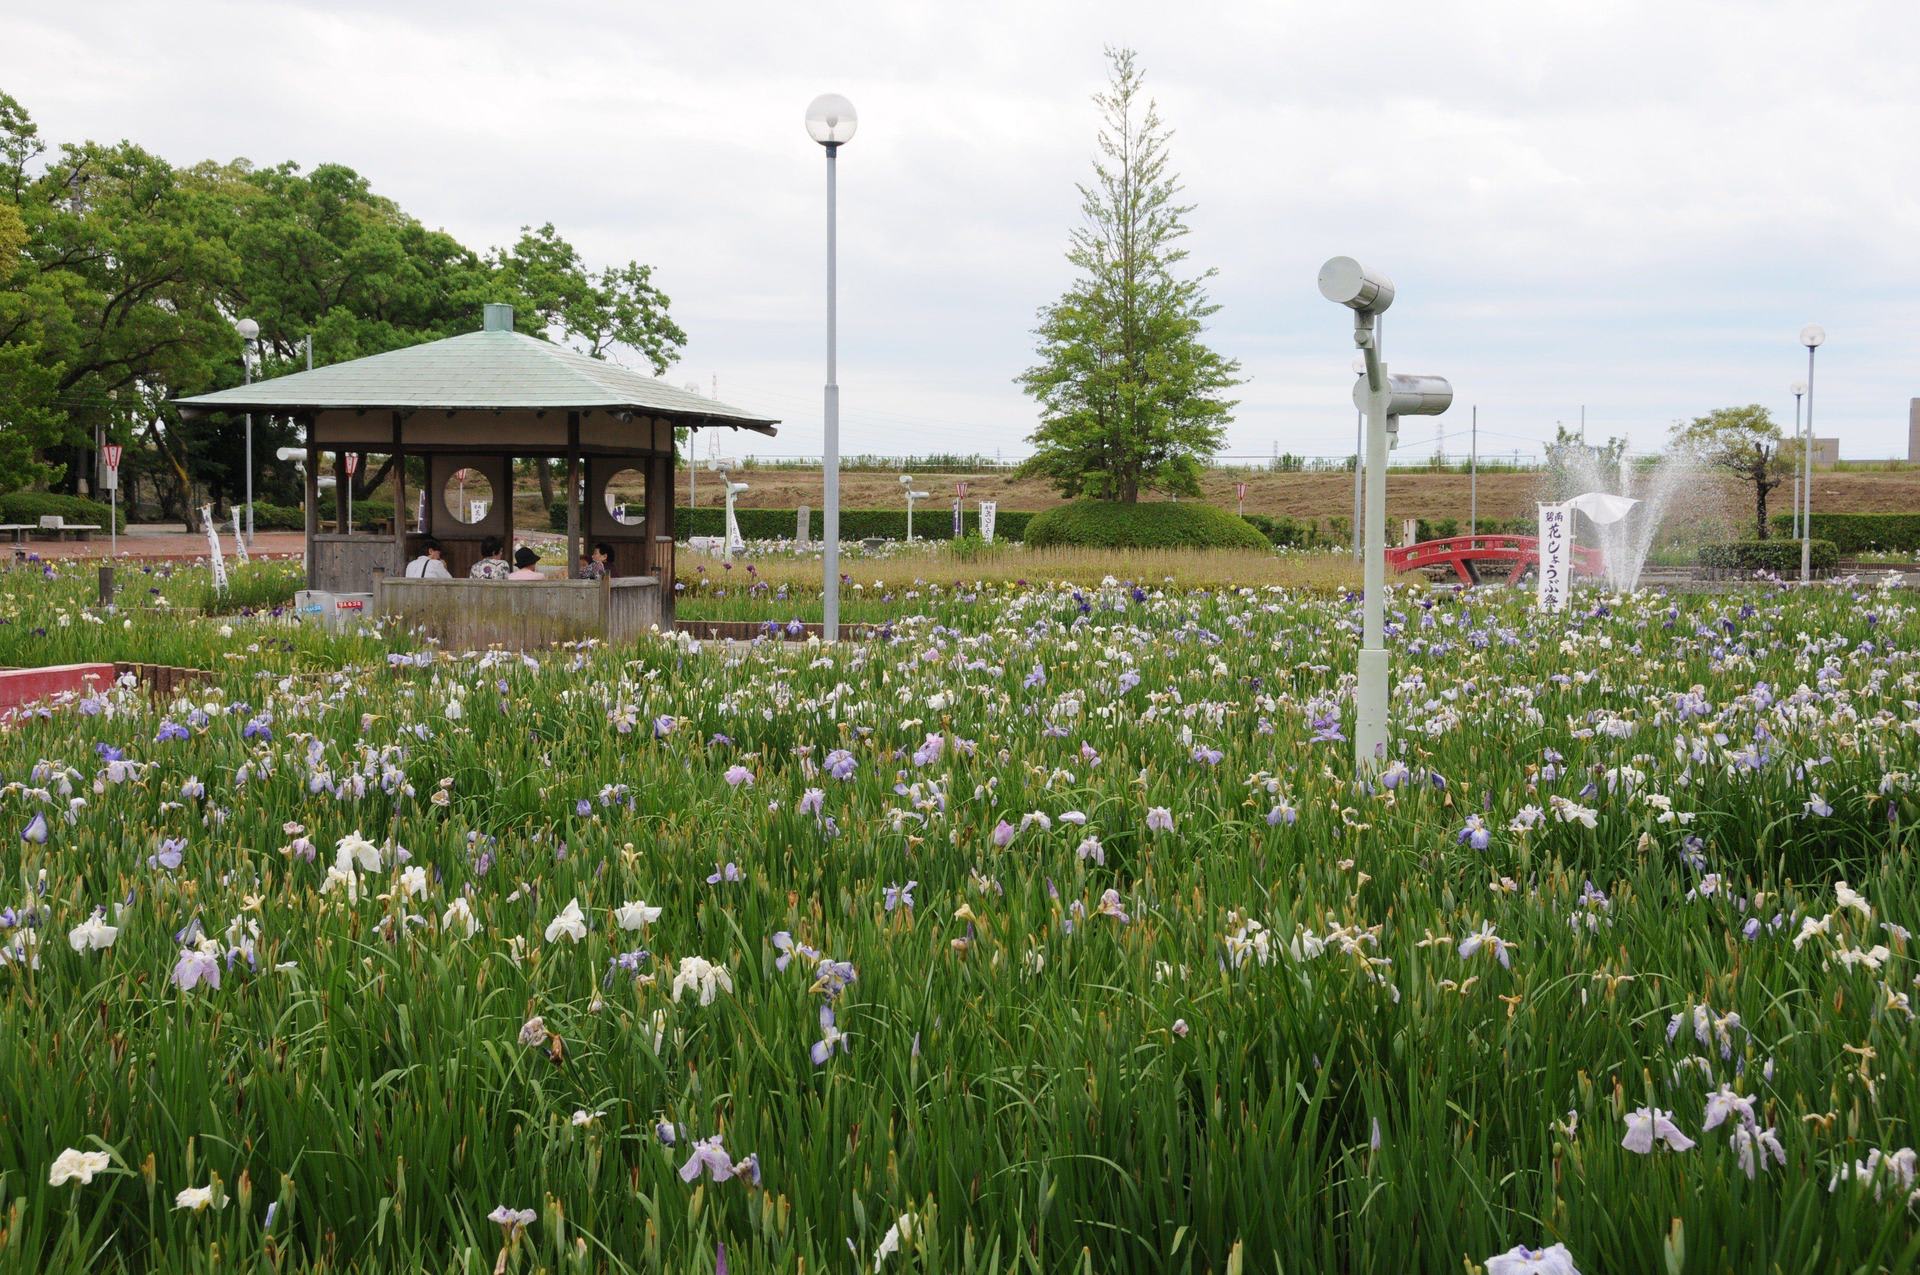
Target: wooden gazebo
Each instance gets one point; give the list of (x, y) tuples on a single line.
[(469, 406)]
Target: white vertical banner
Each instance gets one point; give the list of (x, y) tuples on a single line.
[(988, 508), (1556, 558), (239, 541), (734, 540), (215, 558)]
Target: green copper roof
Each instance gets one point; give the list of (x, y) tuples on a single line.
[(477, 371)]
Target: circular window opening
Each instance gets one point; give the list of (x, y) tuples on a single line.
[(627, 497), (469, 496)]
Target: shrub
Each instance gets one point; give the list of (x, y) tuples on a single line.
[(1778, 556), (1858, 533), (31, 506), (1296, 533), (855, 524), (1159, 524), (268, 516)]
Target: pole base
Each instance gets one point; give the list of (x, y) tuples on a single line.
[(1370, 713)]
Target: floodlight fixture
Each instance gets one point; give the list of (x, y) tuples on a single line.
[(1813, 336), (248, 330), (1409, 395), (1346, 282)]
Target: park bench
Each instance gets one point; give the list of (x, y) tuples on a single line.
[(59, 526), (18, 531)]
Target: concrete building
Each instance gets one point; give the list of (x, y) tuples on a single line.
[(1826, 451)]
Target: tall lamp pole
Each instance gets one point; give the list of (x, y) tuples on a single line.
[(250, 336), (1813, 336), (831, 121), (1385, 400)]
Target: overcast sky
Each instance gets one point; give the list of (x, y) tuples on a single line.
[(1631, 206)]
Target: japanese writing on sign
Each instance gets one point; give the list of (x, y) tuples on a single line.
[(1556, 557)]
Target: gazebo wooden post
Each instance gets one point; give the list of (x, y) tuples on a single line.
[(399, 566), (312, 502), (573, 494)]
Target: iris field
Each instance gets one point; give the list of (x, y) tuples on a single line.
[(1052, 935)]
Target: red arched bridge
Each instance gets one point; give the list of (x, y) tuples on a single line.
[(1514, 555)]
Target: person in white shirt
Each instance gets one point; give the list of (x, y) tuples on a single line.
[(430, 565)]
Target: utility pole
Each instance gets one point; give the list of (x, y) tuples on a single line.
[(1473, 476)]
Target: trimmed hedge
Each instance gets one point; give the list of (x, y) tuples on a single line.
[(268, 516), (1296, 533), (855, 524), (1858, 533), (1157, 524), (1778, 556), (31, 506)]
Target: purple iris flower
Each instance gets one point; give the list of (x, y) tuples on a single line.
[(1475, 834), (169, 854), (36, 830), (728, 872), (830, 1038), (109, 753), (840, 764), (170, 730), (1326, 729), (810, 802), (898, 896)]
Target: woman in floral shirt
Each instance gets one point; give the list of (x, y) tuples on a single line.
[(491, 565)]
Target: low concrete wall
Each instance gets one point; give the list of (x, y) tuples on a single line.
[(475, 614)]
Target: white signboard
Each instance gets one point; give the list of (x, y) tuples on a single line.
[(988, 508), (1556, 558)]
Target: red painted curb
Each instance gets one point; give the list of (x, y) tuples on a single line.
[(22, 686)]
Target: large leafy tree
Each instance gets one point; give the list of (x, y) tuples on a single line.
[(1745, 442), (1131, 397), (124, 276)]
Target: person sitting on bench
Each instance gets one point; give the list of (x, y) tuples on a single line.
[(429, 565)]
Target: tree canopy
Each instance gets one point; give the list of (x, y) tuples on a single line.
[(1744, 441), (122, 275), (1131, 398)]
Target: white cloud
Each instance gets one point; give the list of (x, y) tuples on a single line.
[(1633, 205)]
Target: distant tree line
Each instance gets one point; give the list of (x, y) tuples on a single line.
[(122, 276)]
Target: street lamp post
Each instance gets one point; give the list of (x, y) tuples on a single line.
[(249, 334), (1385, 399), (1799, 388), (831, 121), (1813, 336), (1359, 460)]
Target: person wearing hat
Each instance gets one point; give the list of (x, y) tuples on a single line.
[(526, 565)]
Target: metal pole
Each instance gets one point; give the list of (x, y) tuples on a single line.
[(246, 365), (1473, 476), (1370, 701), (830, 515), (309, 351), (1806, 485), (1359, 472)]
